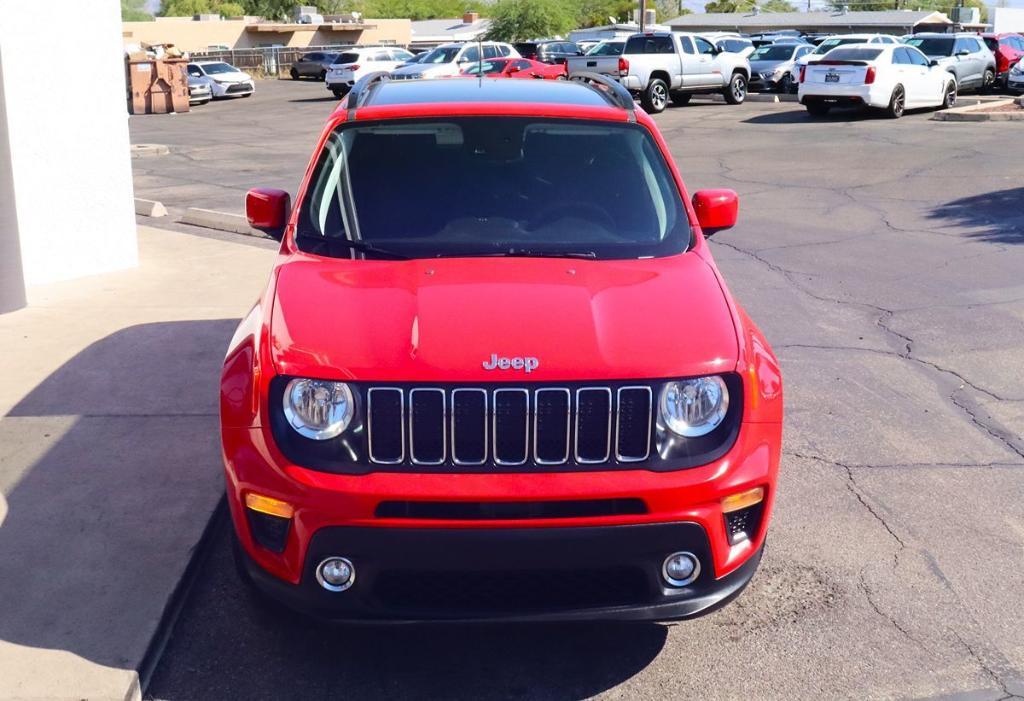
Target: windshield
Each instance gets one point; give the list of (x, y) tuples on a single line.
[(933, 47), (487, 67), (734, 45), (493, 186), (441, 55), (215, 68), (607, 48), (829, 44), (773, 52)]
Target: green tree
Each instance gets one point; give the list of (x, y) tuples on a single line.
[(134, 11), (515, 20), (594, 13), (664, 10), (188, 8), (747, 6)]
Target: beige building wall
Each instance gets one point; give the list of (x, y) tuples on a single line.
[(190, 35)]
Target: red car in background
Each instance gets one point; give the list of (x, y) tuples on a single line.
[(517, 68), (1008, 49)]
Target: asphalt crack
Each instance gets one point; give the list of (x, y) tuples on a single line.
[(906, 343), (854, 488)]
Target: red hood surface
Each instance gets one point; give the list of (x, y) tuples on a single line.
[(439, 320)]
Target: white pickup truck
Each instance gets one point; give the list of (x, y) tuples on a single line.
[(663, 66)]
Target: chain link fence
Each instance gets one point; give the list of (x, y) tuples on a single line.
[(270, 60)]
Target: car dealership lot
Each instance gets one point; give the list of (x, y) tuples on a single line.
[(882, 259)]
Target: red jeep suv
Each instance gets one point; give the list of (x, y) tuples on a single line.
[(508, 383), (1008, 49)]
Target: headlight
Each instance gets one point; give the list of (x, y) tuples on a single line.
[(692, 408), (318, 409), (1017, 67)]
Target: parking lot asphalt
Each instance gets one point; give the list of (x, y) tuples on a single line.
[(883, 261)]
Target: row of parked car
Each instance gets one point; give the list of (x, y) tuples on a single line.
[(661, 68), (664, 67)]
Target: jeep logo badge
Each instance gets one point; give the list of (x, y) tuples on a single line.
[(518, 363)]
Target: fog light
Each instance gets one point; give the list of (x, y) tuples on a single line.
[(336, 574), (680, 569)]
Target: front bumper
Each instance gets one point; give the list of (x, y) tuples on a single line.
[(328, 508), (1015, 82), (519, 574), (764, 82), (232, 89)]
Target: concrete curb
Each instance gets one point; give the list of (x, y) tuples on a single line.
[(757, 97), (221, 221), (172, 610), (150, 208), (975, 113)]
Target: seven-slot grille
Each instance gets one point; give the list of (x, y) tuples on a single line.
[(509, 426)]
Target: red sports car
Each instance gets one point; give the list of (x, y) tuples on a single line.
[(517, 68)]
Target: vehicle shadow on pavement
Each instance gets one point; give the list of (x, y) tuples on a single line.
[(109, 472), (329, 98), (996, 217), (798, 115), (228, 644)]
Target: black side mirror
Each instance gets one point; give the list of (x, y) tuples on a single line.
[(933, 63)]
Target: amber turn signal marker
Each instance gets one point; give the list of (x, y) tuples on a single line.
[(268, 505), (735, 502)]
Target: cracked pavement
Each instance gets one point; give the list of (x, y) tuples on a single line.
[(883, 261)]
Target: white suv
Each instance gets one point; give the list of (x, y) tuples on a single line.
[(353, 64), (450, 59)]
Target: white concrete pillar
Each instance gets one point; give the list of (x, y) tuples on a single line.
[(66, 181), (12, 279)]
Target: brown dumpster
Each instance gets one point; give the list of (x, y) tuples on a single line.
[(156, 86)]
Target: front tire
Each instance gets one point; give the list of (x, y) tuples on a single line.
[(681, 99), (897, 103), (655, 96), (988, 80), (736, 91), (949, 100)]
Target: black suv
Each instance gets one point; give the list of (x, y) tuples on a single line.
[(548, 51)]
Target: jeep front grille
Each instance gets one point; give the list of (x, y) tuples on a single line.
[(509, 426)]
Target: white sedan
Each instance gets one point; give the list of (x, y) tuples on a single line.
[(893, 78), (224, 79)]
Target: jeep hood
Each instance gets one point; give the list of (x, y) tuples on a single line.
[(439, 320)]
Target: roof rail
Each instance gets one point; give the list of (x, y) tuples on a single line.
[(611, 89), (357, 95)]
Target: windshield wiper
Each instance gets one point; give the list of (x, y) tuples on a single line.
[(331, 243), (528, 253)]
